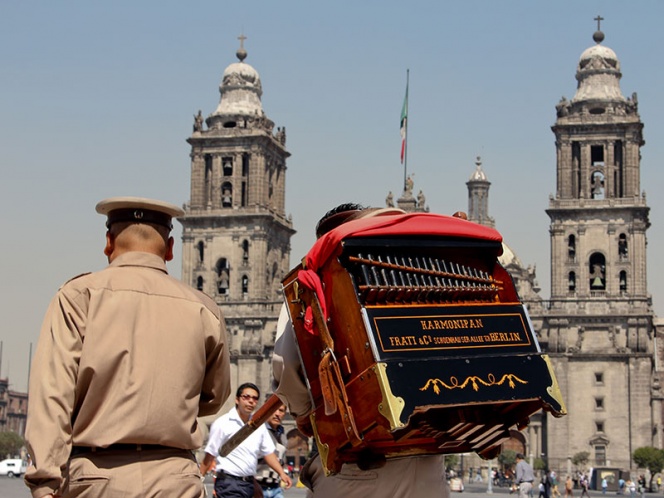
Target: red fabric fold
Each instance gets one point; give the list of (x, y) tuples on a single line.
[(392, 225), (311, 281), (384, 225)]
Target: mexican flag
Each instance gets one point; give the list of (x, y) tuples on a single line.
[(404, 124)]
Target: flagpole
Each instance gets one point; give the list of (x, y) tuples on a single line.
[(405, 152)]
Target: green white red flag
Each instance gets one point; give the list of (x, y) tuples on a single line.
[(404, 125)]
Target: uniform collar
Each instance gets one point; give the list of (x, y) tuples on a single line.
[(137, 258)]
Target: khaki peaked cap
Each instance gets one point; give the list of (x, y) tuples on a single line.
[(138, 210)]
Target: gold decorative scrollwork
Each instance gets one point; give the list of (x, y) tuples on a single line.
[(473, 380)]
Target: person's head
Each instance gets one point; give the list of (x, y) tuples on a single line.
[(138, 224), (349, 211), (336, 216), (519, 456), (246, 399), (277, 417)]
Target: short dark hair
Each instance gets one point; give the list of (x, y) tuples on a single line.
[(247, 385), (336, 216), (520, 456)]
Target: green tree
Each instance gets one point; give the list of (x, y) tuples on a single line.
[(507, 459), (10, 444), (649, 458), (539, 464), (451, 462), (580, 459)]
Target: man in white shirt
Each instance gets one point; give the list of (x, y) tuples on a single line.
[(235, 472)]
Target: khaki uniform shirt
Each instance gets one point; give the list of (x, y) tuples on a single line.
[(126, 355)]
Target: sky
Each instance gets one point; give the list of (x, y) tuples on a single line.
[(97, 100)]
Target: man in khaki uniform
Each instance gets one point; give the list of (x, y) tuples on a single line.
[(409, 477), (127, 359)]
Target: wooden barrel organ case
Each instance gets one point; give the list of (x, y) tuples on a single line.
[(421, 346)]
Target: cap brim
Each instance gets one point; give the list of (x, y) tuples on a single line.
[(114, 203)]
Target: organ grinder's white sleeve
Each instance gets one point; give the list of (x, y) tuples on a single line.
[(288, 379)]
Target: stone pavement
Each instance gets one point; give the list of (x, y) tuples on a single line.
[(14, 488)]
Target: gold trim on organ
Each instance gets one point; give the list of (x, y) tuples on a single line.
[(323, 448), (390, 406), (473, 380), (554, 389)]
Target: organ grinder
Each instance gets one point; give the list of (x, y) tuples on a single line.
[(413, 341)]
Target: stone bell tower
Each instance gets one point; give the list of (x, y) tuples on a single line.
[(599, 325), (478, 196), (236, 235)]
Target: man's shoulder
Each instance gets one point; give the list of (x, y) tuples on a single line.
[(192, 294), (219, 426), (80, 275), (81, 279), (263, 430), (224, 417), (78, 283)]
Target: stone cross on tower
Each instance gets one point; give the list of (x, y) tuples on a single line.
[(599, 19), (241, 53)]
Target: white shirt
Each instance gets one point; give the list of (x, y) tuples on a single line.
[(288, 382), (242, 460)]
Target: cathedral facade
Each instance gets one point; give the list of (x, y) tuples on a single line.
[(598, 325), (236, 235)]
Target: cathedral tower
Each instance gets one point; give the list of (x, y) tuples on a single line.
[(525, 281), (599, 326), (236, 235), (478, 196)]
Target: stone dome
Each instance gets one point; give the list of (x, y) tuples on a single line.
[(598, 73), (478, 175), (601, 52), (240, 91), (525, 279), (509, 258)]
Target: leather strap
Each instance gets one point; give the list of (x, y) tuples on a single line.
[(333, 388), (327, 383)]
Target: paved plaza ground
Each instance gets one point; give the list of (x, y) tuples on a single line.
[(14, 488)]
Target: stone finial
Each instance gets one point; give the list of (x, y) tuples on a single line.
[(241, 52), (598, 36)]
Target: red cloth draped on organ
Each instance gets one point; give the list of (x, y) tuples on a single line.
[(386, 225)]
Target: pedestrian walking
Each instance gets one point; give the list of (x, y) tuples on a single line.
[(569, 487)]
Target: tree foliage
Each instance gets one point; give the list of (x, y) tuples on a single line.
[(539, 464), (581, 458), (10, 444), (507, 458), (451, 462), (649, 458)]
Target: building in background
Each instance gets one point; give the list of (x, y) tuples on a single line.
[(236, 235), (13, 409), (531, 441), (598, 326)]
